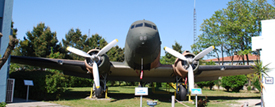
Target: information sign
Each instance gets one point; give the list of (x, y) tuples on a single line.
[(28, 82), (269, 80), (196, 91), (141, 91)]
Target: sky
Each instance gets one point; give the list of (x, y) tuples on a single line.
[(111, 19)]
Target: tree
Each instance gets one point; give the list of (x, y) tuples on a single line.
[(259, 71), (168, 58), (116, 54), (211, 36), (39, 43), (230, 30), (14, 30), (12, 43), (75, 39)]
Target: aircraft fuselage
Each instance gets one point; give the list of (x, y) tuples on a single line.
[(142, 45)]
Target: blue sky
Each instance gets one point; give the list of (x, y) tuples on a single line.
[(111, 19)]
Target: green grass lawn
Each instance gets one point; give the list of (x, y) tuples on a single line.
[(123, 96)]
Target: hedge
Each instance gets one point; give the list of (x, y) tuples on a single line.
[(47, 85), (235, 83)]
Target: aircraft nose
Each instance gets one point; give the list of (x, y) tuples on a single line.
[(146, 36), (143, 37)]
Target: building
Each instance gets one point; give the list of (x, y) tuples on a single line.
[(237, 60)]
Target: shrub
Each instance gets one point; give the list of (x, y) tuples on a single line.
[(203, 102), (79, 82), (235, 83), (209, 84), (249, 88), (218, 82), (56, 84), (3, 104), (256, 84), (47, 84)]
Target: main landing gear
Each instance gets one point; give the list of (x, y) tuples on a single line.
[(181, 90)]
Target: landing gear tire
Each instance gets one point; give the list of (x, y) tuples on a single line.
[(182, 93)]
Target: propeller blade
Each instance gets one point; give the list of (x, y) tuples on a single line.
[(190, 77), (96, 75), (203, 53), (78, 52), (107, 47), (175, 53)]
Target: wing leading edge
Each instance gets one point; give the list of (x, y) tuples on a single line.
[(69, 67), (213, 72)]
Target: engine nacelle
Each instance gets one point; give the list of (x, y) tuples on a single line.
[(180, 66), (103, 63)]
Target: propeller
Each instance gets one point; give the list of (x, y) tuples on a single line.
[(94, 58), (189, 61), (78, 52)]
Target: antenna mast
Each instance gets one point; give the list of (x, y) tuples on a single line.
[(194, 22)]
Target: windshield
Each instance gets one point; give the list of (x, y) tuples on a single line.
[(145, 24), (139, 25)]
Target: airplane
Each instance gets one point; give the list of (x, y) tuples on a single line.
[(142, 63)]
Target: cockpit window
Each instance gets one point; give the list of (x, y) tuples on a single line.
[(148, 25), (145, 24), (132, 26), (139, 25), (154, 27)]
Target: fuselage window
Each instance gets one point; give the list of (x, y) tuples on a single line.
[(139, 25), (154, 27), (132, 26), (148, 25)]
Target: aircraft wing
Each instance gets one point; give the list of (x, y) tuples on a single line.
[(119, 70), (69, 67), (164, 73), (213, 72), (122, 72)]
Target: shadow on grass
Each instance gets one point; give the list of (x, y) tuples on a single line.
[(110, 91), (226, 97), (71, 95), (122, 96)]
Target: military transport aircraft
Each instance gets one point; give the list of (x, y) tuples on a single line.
[(142, 63)]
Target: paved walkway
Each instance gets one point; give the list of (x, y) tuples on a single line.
[(250, 102), (18, 102)]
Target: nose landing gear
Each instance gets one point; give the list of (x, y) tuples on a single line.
[(100, 92)]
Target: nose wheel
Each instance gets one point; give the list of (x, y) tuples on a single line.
[(102, 91)]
